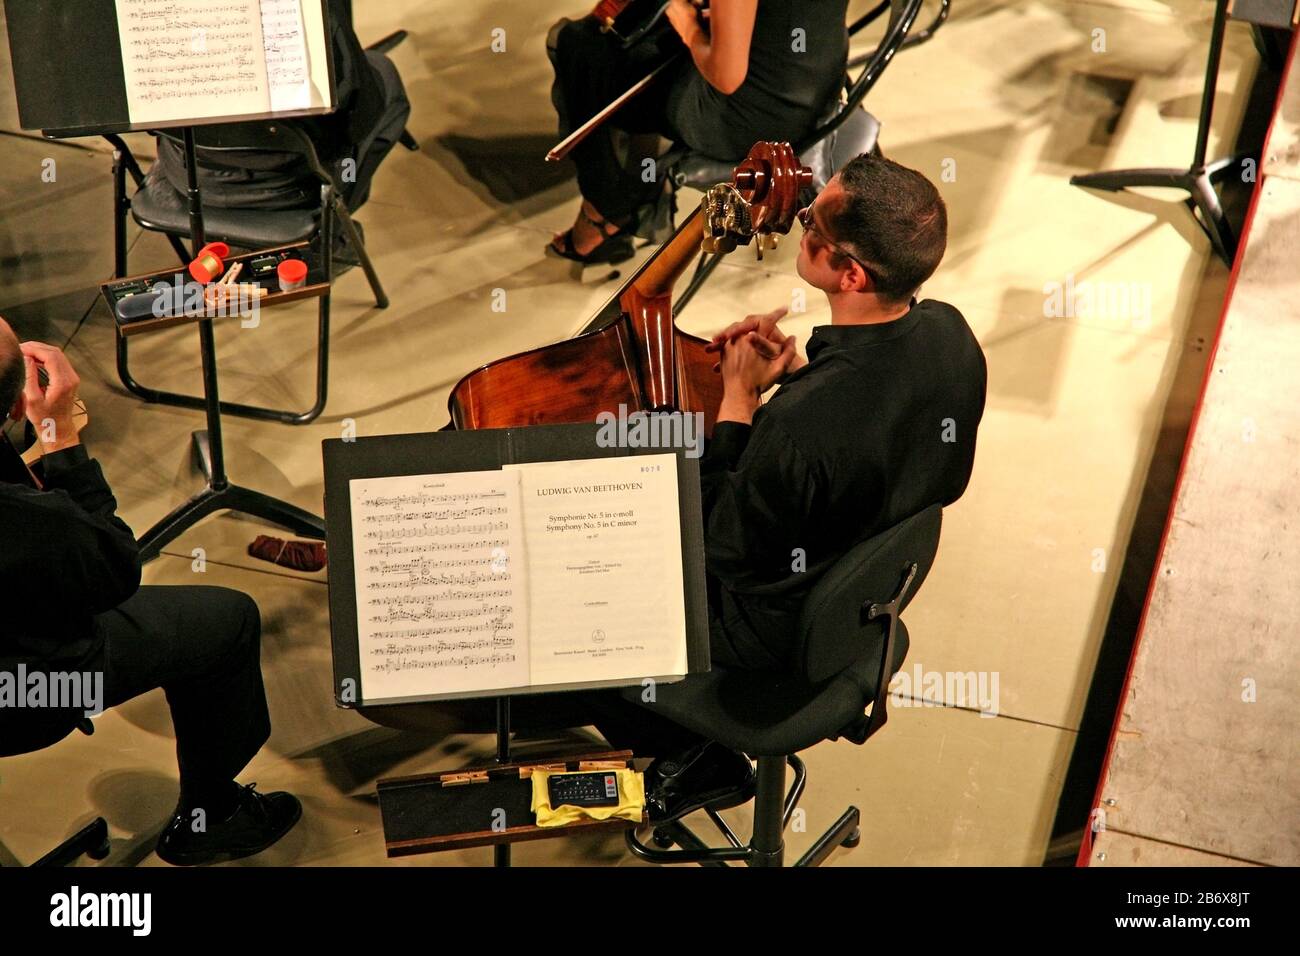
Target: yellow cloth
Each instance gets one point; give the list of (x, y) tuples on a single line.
[(631, 801)]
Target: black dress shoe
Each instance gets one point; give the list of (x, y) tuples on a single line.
[(707, 775), (258, 821)]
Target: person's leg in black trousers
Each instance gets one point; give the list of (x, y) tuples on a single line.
[(690, 771), (202, 646), (590, 72)]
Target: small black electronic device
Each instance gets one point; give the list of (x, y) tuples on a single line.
[(141, 305), (264, 265), (594, 789)]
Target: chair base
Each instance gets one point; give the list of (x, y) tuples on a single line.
[(333, 209), (773, 808), (91, 841), (257, 412)]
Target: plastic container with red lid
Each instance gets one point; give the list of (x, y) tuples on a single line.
[(209, 264), (292, 274)]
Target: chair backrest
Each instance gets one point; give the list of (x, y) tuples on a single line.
[(226, 143), (902, 16), (834, 628), (819, 149)]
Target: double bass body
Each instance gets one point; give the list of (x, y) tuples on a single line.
[(634, 355)]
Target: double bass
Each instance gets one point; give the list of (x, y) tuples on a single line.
[(633, 354)]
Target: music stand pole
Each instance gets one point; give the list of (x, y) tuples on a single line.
[(501, 851), (1198, 181), (220, 494)]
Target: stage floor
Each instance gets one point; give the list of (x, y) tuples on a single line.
[(1204, 766), (1011, 97)]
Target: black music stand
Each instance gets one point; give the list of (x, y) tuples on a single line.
[(1198, 180), (480, 450), (83, 92)]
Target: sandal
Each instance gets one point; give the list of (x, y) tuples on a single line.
[(615, 247)]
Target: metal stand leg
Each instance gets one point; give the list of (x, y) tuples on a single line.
[(1198, 180), (354, 239), (1203, 198), (703, 269), (92, 840), (220, 494), (843, 833), (228, 498), (388, 43)]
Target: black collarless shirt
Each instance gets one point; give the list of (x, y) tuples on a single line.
[(879, 425), (66, 556)]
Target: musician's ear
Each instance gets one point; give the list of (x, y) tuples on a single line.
[(19, 411), (855, 278)]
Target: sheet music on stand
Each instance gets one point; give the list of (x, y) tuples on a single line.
[(149, 64), (499, 562)]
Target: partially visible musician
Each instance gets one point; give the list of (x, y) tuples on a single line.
[(72, 569), (756, 71), (877, 424), (372, 110)]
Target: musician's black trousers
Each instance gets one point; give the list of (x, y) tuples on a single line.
[(591, 71), (202, 646)]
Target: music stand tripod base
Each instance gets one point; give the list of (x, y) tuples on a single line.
[(225, 497), (1199, 184), (1199, 179)]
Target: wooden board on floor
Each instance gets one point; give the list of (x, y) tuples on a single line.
[(1112, 848), (1205, 754), (1282, 158)]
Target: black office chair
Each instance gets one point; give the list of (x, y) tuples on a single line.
[(851, 642), (92, 839), (849, 130), (158, 206)]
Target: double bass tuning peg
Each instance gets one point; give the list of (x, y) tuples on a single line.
[(765, 242), (717, 245)]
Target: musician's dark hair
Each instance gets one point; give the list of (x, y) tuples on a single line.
[(13, 375), (894, 220)]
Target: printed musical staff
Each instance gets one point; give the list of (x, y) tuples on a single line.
[(184, 59), (285, 45), (190, 59), (439, 608)]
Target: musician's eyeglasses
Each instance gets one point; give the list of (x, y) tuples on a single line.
[(805, 216)]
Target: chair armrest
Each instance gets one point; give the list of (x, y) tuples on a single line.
[(879, 711)]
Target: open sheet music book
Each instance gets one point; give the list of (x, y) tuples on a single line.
[(537, 575), (194, 59)]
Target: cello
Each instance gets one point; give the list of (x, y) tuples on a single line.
[(633, 353)]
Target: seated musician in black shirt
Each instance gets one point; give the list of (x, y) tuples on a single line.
[(73, 569), (876, 425)]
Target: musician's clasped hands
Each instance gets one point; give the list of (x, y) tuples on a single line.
[(755, 355)]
